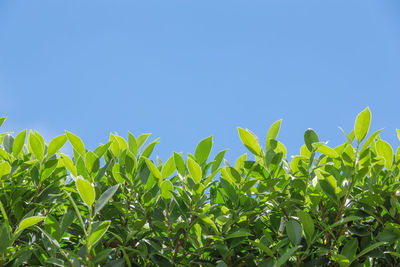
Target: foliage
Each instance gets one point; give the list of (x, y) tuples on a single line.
[(114, 206)]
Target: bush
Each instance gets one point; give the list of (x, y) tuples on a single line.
[(115, 207)]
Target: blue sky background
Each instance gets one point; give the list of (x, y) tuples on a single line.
[(184, 70)]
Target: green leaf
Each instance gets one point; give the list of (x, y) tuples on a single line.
[(56, 144), (310, 137), (217, 160), (385, 150), (86, 191), (349, 249), (203, 150), (28, 222), (180, 164), (263, 247), (285, 257), (250, 141), (2, 120), (69, 164), (294, 231), (98, 233), (328, 189), (48, 168), (133, 147), (238, 233), (105, 197), (52, 227), (168, 168), (369, 248), (166, 188), (153, 169), (36, 146), (77, 144), (92, 162), (327, 151), (231, 174), (5, 169), (362, 124), (142, 139), (272, 133), (116, 170), (19, 142), (194, 170), (307, 223), (345, 220)]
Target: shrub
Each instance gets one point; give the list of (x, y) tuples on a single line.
[(115, 207)]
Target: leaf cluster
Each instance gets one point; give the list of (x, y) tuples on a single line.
[(115, 206)]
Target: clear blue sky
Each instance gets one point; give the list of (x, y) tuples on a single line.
[(184, 70)]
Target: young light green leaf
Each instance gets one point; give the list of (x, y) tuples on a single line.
[(69, 164), (272, 133), (168, 168), (48, 168), (105, 197), (250, 141), (194, 170), (2, 120), (133, 147), (86, 191), (166, 188), (307, 223), (327, 151), (294, 231), (36, 146), (180, 164), (5, 169), (28, 222), (361, 126), (52, 227), (142, 139), (92, 162), (98, 233), (203, 150), (56, 144), (385, 150), (310, 137), (19, 142), (116, 170), (231, 174), (398, 133), (76, 143), (217, 160), (153, 169)]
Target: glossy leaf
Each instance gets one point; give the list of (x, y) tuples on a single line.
[(168, 168), (86, 191), (361, 126), (105, 197), (385, 150), (250, 141), (203, 150), (69, 164), (30, 221), (327, 151), (272, 133), (294, 231), (98, 233), (19, 142), (194, 170), (166, 189), (307, 224), (5, 169), (154, 170), (36, 146), (310, 137), (76, 143), (56, 144)]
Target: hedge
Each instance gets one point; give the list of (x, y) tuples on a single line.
[(114, 206)]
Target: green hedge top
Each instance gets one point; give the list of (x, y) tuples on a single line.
[(115, 207)]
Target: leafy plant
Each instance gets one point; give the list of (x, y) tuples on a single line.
[(115, 206)]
